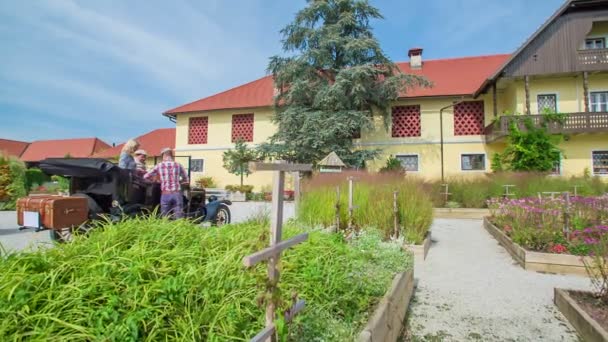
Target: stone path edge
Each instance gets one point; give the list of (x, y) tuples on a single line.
[(387, 321), (536, 261), (589, 329)]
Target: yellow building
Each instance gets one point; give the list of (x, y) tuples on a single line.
[(454, 127)]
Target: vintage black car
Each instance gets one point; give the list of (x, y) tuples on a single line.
[(113, 192)]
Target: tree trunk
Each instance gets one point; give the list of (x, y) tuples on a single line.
[(241, 176)]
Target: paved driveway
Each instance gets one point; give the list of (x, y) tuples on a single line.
[(11, 238)]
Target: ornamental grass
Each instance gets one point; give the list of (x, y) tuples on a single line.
[(373, 201), (149, 279), (474, 192)]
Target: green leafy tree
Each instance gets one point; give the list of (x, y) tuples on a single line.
[(236, 160), (531, 147), (392, 165), (335, 77)]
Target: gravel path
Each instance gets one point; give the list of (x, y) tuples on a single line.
[(471, 289)]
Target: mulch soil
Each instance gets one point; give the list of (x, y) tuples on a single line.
[(592, 306)]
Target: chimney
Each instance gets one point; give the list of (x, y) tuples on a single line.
[(415, 55)]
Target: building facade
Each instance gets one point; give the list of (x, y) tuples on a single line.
[(454, 127)]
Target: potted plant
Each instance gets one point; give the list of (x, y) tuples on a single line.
[(238, 193)]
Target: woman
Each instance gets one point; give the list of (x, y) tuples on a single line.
[(126, 160)]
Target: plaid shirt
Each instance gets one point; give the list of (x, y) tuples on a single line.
[(169, 172)]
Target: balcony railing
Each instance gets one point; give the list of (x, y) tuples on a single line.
[(593, 59), (574, 123)]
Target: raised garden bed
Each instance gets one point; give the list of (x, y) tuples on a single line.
[(388, 318), (420, 251), (589, 321), (536, 261)]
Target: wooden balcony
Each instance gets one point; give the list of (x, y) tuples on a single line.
[(593, 59), (575, 123)]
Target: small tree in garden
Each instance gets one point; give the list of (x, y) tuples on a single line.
[(335, 76), (236, 160), (532, 148)]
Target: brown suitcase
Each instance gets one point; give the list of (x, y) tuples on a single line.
[(65, 212), (32, 203)]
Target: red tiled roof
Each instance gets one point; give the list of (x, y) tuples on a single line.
[(77, 148), (258, 93), (12, 147), (152, 142), (453, 76)]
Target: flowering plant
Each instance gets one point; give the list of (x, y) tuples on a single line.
[(553, 225)]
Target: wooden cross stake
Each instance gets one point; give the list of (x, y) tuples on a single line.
[(273, 252)]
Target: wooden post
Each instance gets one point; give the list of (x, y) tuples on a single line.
[(296, 190), (576, 190), (350, 202), (445, 194), (395, 215), (567, 216), (507, 194), (494, 103), (337, 208), (527, 93), (276, 223), (276, 246), (586, 90)]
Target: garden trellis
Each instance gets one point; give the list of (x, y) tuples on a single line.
[(273, 252)]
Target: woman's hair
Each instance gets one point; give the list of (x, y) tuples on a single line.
[(130, 146)]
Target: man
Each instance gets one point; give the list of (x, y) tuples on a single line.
[(140, 160), (170, 172)]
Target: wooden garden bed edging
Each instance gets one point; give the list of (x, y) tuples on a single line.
[(588, 328), (387, 321), (537, 261), (461, 213), (420, 251)]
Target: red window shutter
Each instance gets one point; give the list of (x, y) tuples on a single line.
[(197, 130), (242, 127), (469, 118), (406, 121)]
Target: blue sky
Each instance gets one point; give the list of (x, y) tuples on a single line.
[(109, 68)]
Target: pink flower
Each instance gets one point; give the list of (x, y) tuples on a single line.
[(559, 249)]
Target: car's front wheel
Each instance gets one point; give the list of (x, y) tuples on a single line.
[(223, 215)]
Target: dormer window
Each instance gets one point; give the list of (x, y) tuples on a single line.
[(595, 43)]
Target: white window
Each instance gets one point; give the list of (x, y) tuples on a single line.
[(409, 162), (598, 101), (600, 162), (473, 162), (196, 165), (546, 102), (595, 43)]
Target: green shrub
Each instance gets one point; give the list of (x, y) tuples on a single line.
[(474, 192), (63, 183), (12, 182), (151, 279), (240, 188), (205, 182), (35, 176)]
